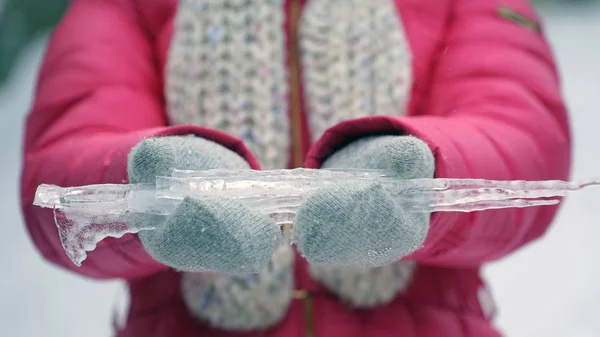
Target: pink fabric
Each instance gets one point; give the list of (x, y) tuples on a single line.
[(493, 111), (486, 98), (98, 95)]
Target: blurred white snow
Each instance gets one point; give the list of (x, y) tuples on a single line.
[(548, 289)]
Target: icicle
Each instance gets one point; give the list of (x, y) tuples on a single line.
[(86, 215)]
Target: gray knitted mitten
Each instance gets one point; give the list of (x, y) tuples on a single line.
[(359, 224), (208, 233)]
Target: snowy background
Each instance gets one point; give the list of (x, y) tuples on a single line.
[(549, 289)]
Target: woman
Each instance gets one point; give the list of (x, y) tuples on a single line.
[(456, 88)]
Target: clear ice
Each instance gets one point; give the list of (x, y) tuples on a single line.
[(86, 215)]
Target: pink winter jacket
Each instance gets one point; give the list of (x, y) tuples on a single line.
[(485, 96)]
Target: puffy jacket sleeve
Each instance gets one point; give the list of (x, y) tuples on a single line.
[(494, 112), (98, 94)]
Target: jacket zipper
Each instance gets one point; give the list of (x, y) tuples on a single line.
[(294, 76), (307, 302), (296, 129)]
